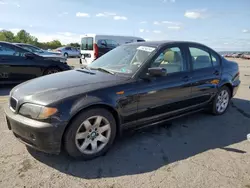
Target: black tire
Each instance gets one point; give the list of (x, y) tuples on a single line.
[(51, 70), (214, 109), (70, 134), (66, 55)]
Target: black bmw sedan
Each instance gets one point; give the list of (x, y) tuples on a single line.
[(18, 64), (134, 85)]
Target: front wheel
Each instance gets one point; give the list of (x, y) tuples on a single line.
[(51, 70), (221, 101), (90, 134)]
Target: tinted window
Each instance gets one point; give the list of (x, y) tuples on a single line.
[(102, 43), (87, 43), (67, 48), (11, 50), (107, 43), (140, 40), (170, 59), (200, 58), (111, 43)]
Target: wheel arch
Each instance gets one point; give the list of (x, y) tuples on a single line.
[(101, 105), (229, 85), (51, 66)]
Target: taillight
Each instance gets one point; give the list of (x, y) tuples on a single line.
[(95, 51)]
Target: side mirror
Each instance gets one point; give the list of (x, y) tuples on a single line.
[(29, 55), (157, 71), (103, 44)]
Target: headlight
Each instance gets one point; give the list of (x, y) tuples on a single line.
[(36, 111)]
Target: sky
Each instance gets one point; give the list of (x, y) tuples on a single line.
[(220, 24)]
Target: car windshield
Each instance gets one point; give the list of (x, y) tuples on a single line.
[(123, 59)]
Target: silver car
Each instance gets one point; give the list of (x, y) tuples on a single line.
[(68, 51)]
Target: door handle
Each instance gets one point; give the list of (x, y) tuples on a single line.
[(216, 72), (185, 78)]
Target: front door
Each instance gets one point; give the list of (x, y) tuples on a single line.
[(165, 95)]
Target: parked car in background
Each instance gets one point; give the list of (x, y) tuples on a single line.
[(37, 50), (229, 55), (246, 56), (18, 64), (94, 46), (237, 55), (132, 86), (68, 51)]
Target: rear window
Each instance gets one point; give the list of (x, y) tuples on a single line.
[(87, 43)]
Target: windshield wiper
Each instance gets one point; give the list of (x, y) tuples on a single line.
[(102, 69)]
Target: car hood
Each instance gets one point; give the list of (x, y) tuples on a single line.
[(48, 89)]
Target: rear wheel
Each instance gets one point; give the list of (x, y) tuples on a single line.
[(66, 55), (90, 134), (221, 101), (51, 70)]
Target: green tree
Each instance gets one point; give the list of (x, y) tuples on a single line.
[(54, 44), (7, 36), (76, 45), (24, 37)]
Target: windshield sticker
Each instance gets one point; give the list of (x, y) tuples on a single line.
[(145, 48)]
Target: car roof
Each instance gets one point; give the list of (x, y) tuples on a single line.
[(163, 42), (16, 43)]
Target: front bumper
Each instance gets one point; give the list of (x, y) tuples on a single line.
[(236, 85), (41, 136)]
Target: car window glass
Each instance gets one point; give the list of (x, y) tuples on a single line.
[(200, 58), (31, 48), (215, 59), (170, 59), (87, 43), (111, 43), (9, 50), (101, 43), (126, 59)]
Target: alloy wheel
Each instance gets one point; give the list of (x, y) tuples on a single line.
[(52, 71), (93, 135), (222, 101)]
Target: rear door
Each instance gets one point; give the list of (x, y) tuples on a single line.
[(69, 51), (87, 49), (75, 52), (206, 73)]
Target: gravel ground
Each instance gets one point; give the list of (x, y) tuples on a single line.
[(195, 151)]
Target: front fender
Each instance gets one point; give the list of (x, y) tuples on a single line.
[(88, 101)]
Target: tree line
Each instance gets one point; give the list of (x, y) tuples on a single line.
[(24, 37)]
